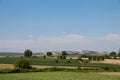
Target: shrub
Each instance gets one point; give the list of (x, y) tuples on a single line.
[(70, 58), (5, 71), (102, 58), (64, 54), (56, 61), (80, 59), (44, 57), (68, 62), (106, 68), (86, 61), (22, 63), (63, 57), (94, 58), (49, 53), (98, 58), (115, 57), (90, 58)]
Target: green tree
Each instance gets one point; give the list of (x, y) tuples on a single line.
[(64, 54), (90, 58), (102, 58), (49, 54), (28, 53), (22, 63), (119, 53), (113, 54), (44, 57)]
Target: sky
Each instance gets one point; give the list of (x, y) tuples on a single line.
[(55, 25)]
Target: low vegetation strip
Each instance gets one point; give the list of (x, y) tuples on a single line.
[(6, 66), (57, 76), (11, 66), (65, 63), (110, 73)]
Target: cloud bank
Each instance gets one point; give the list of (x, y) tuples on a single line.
[(107, 42)]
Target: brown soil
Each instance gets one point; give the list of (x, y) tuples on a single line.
[(110, 73)]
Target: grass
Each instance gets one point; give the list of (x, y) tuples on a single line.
[(52, 62), (57, 76), (6, 66)]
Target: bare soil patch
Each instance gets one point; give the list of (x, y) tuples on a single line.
[(6, 66), (110, 73), (108, 61)]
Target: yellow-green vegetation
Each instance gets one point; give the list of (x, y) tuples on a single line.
[(57, 76), (59, 62), (6, 66)]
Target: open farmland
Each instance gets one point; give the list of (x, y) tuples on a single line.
[(57, 76), (61, 62), (108, 61)]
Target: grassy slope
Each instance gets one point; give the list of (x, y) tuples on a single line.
[(57, 76)]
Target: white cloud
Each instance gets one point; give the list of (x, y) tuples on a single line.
[(64, 42), (114, 37), (30, 36), (64, 33)]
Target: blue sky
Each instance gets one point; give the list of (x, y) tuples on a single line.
[(39, 24)]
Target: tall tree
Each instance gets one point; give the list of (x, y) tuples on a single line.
[(49, 54), (113, 54), (119, 53), (64, 54), (28, 53)]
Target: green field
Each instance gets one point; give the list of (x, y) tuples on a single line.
[(61, 62), (57, 76)]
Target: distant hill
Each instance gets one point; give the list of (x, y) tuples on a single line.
[(58, 53), (75, 53), (14, 54)]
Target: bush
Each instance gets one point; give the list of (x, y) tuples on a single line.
[(90, 58), (6, 71), (68, 62), (102, 58), (22, 63), (49, 53), (80, 59), (56, 61), (106, 68), (86, 61), (94, 58), (44, 57)]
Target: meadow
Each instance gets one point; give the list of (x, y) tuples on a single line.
[(74, 70), (57, 76), (60, 62)]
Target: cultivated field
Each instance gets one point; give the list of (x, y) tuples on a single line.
[(11, 66), (41, 63), (6, 66), (108, 61), (57, 76)]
